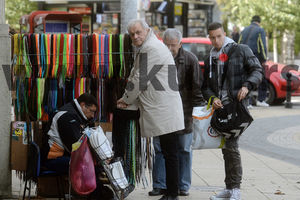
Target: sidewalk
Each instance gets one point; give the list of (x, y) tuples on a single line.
[(264, 178)]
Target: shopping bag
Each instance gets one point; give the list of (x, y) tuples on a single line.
[(114, 171), (99, 142), (204, 136), (82, 170)]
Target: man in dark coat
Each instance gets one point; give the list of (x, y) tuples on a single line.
[(244, 73), (189, 82), (255, 37)]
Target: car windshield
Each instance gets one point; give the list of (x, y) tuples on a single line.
[(200, 50)]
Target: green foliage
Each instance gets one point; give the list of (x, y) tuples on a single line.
[(14, 9), (279, 14), (297, 43)]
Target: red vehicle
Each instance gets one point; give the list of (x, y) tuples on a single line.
[(275, 73), (51, 22)]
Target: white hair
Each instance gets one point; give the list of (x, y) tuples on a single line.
[(136, 21), (172, 34)]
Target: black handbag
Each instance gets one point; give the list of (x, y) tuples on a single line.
[(231, 120)]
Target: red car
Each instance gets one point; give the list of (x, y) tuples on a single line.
[(275, 73)]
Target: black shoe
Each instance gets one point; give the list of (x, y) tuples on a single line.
[(184, 193), (165, 197), (156, 192)]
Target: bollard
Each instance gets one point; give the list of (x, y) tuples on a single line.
[(288, 103)]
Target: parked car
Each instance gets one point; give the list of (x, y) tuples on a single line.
[(275, 73)]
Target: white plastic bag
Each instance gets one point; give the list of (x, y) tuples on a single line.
[(204, 136), (99, 142)]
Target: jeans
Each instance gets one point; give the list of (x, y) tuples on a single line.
[(169, 149), (262, 90), (185, 163), (233, 163)]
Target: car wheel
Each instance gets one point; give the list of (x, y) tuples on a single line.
[(271, 96)]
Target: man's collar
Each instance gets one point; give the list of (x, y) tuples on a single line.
[(80, 109)]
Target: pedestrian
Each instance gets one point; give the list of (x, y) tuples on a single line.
[(152, 86), (190, 80), (243, 74), (235, 35), (255, 37)]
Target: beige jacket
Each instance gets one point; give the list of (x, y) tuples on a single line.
[(159, 100)]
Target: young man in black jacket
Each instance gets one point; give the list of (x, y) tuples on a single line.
[(244, 73)]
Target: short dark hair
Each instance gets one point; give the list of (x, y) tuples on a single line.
[(214, 26), (256, 18), (88, 99)]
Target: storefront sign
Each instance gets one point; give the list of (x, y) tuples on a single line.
[(81, 10), (178, 9)]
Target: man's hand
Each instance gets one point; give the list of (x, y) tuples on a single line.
[(121, 104), (242, 93), (217, 103)]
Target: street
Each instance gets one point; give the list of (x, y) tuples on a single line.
[(275, 132)]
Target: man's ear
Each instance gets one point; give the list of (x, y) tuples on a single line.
[(82, 104)]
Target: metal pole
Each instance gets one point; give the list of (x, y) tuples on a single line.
[(171, 4), (128, 12), (2, 11), (5, 107), (288, 103)]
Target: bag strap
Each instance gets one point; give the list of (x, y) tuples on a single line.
[(230, 52), (210, 101)]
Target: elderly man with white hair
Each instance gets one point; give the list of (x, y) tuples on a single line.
[(152, 86)]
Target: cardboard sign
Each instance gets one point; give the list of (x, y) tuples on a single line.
[(19, 145)]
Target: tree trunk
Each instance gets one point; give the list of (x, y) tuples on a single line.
[(288, 40), (275, 54)]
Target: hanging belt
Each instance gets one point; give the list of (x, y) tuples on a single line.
[(111, 69), (72, 56), (102, 54), (121, 73), (106, 55), (64, 57)]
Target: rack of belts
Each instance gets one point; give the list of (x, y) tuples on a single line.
[(50, 70)]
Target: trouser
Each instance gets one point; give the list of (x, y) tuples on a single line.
[(59, 165), (169, 148), (262, 90), (233, 164), (185, 163)]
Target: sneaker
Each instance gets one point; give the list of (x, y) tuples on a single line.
[(262, 104), (235, 194), (223, 195)]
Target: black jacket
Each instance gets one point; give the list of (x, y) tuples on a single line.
[(255, 37), (65, 126), (244, 69), (190, 80)]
